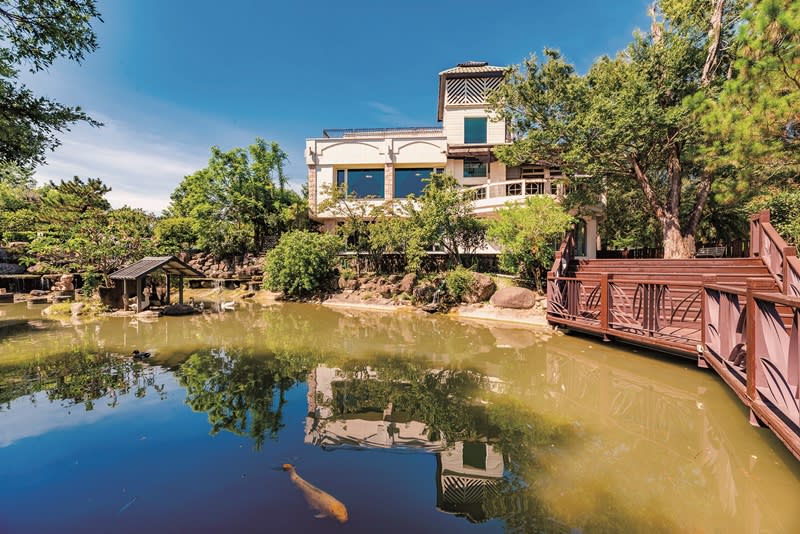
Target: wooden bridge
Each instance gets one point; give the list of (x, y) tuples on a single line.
[(739, 316)]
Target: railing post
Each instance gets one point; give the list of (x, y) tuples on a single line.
[(750, 332), (753, 285), (604, 305), (787, 278)]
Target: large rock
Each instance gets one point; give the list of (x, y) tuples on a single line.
[(514, 297), (76, 308), (481, 289), (407, 283), (11, 268)]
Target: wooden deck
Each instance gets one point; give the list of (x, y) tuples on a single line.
[(739, 316)]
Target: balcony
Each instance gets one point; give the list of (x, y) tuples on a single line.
[(491, 196)]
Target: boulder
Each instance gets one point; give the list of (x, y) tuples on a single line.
[(76, 308), (482, 289), (518, 298), (11, 268), (408, 282), (178, 309)]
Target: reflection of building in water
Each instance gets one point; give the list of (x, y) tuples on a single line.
[(467, 471), (467, 474)]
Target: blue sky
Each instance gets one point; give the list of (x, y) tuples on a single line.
[(172, 78)]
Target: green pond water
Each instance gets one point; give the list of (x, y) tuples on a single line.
[(414, 423)]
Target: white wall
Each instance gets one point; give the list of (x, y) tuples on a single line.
[(453, 124)]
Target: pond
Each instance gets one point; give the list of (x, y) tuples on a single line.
[(409, 423)]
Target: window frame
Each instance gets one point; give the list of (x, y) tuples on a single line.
[(473, 161), (485, 130), (345, 174)]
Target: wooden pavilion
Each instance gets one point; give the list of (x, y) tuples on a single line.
[(169, 265)]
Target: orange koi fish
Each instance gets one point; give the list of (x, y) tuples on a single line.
[(324, 503)]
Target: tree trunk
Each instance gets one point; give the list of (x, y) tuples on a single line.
[(676, 245)]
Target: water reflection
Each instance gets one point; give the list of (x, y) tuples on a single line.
[(241, 393), (79, 378), (541, 432)]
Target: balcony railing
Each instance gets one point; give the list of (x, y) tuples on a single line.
[(335, 133), (517, 188)]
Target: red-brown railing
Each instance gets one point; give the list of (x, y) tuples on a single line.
[(777, 255), (564, 254), (645, 309), (773, 363)]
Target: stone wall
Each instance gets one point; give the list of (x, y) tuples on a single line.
[(247, 266), (8, 263)]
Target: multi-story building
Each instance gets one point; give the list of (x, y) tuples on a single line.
[(380, 164)]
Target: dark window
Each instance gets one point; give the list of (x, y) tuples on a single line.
[(340, 178), (475, 130), (409, 182), (474, 168), (474, 455), (362, 183)]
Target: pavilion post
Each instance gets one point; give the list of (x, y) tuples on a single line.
[(168, 287), (125, 294), (180, 289), (138, 292)]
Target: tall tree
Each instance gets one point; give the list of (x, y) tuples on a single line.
[(631, 119), (755, 122), (239, 201), (34, 34)]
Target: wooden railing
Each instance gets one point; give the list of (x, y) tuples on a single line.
[(752, 340), (647, 310), (777, 255), (773, 363), (564, 254)]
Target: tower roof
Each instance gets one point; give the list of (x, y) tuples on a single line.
[(472, 67)]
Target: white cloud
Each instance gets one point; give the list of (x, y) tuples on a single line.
[(141, 168)]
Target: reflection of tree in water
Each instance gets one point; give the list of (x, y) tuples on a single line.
[(79, 377), (242, 393)]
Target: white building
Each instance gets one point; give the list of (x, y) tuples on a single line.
[(380, 164)]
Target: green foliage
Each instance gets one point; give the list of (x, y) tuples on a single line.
[(755, 121), (303, 263), (458, 282), (525, 233), (175, 234), (36, 34), (443, 217), (237, 203), (358, 225), (634, 120), (784, 206), (89, 283)]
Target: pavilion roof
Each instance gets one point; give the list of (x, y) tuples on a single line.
[(145, 266)]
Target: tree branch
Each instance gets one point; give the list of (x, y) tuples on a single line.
[(713, 57), (703, 190), (647, 189)]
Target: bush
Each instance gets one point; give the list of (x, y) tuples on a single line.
[(302, 263), (784, 207), (458, 282), (91, 281)]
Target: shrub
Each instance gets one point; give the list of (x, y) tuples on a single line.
[(784, 207), (91, 281), (458, 282), (302, 263)]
